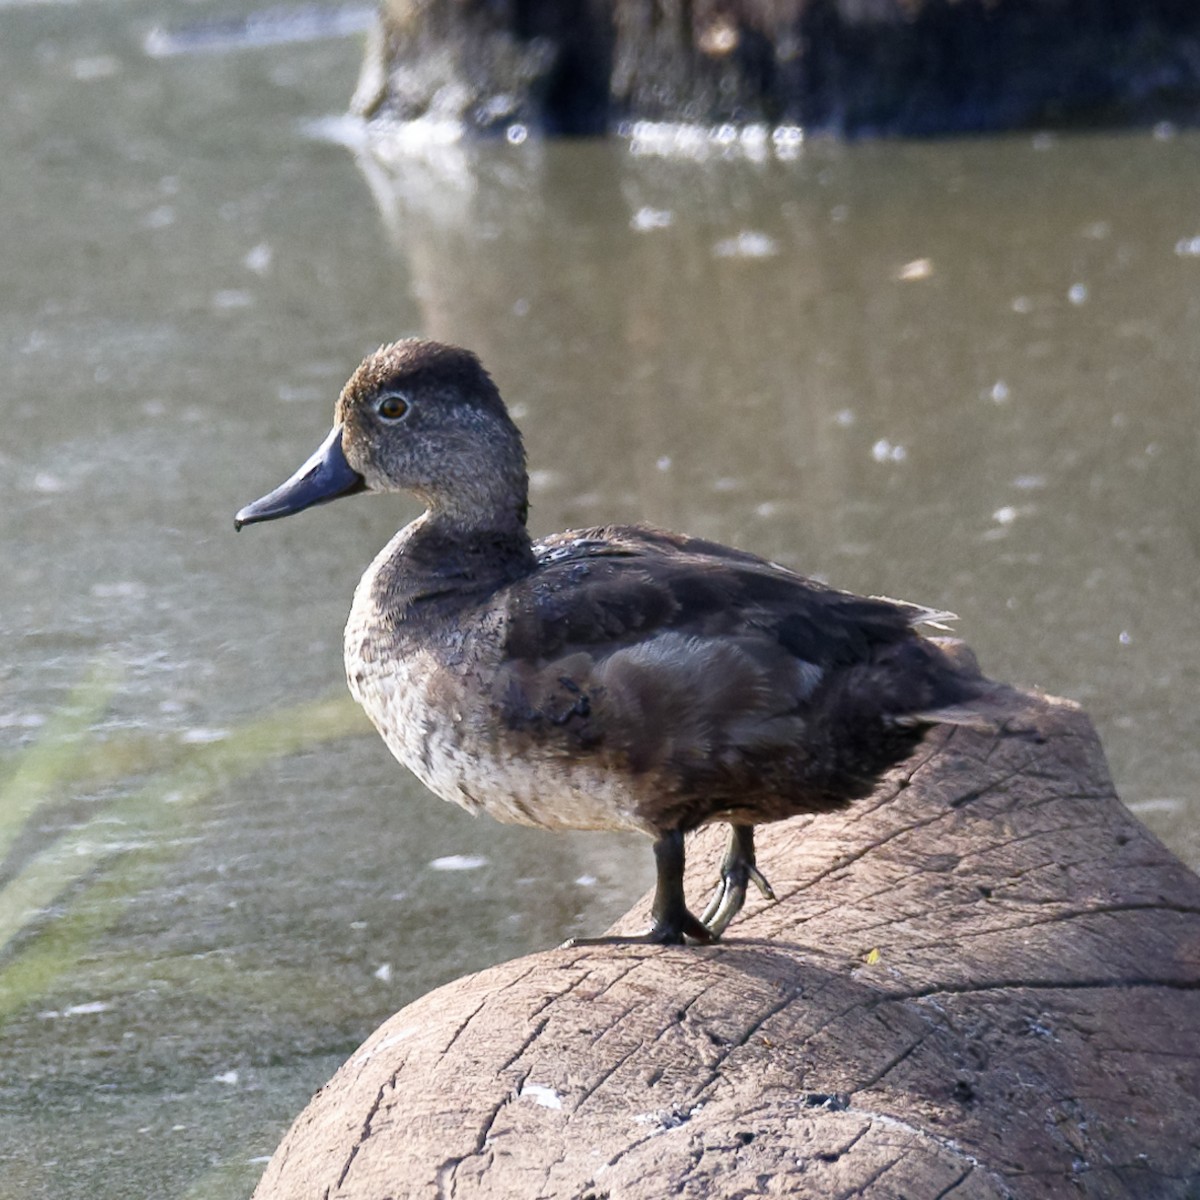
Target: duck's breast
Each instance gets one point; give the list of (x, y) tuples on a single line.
[(434, 700)]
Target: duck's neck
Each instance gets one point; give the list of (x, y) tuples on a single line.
[(440, 560), (441, 542)]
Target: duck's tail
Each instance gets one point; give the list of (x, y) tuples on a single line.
[(980, 703)]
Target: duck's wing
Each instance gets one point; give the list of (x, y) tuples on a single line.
[(684, 657), (602, 588)]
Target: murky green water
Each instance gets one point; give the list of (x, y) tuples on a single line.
[(963, 373)]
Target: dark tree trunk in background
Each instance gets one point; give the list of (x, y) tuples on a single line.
[(841, 66), (982, 982)]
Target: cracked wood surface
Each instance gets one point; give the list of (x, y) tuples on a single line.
[(981, 982)]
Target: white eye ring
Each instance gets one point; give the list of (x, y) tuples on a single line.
[(392, 407)]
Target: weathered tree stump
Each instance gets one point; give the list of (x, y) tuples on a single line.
[(838, 66), (984, 981)]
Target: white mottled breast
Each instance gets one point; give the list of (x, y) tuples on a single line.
[(431, 705)]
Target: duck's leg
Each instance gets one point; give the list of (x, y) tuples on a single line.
[(672, 920), (738, 868), (673, 923)]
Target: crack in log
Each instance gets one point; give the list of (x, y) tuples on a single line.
[(894, 1062), (364, 1131), (1017, 983), (860, 1189), (448, 1169), (840, 1152), (1187, 1056), (1141, 1167), (1023, 770), (862, 899), (951, 1186), (682, 1013), (589, 1187), (534, 1035), (892, 886), (948, 1145), (801, 1038), (1055, 918), (992, 848), (614, 1022), (1035, 922), (849, 859), (1159, 905), (554, 997), (695, 1158), (605, 1076), (462, 1025), (728, 1050), (520, 977), (858, 1137), (1062, 870), (633, 966), (944, 1143)]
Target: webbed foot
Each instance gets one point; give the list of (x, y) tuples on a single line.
[(738, 868)]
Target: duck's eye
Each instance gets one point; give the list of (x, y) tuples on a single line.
[(392, 408)]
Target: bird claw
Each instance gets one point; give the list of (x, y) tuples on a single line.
[(738, 868), (760, 881)]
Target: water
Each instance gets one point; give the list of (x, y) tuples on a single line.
[(961, 373)]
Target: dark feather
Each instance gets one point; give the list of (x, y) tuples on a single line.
[(733, 681)]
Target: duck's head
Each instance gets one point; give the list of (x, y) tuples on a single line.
[(416, 417)]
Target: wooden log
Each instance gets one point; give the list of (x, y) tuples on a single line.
[(981, 982)]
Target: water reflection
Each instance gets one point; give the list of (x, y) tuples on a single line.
[(961, 373)]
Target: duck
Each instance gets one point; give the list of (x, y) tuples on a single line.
[(621, 677)]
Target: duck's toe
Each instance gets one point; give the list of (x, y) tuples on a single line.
[(674, 930), (738, 868)]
